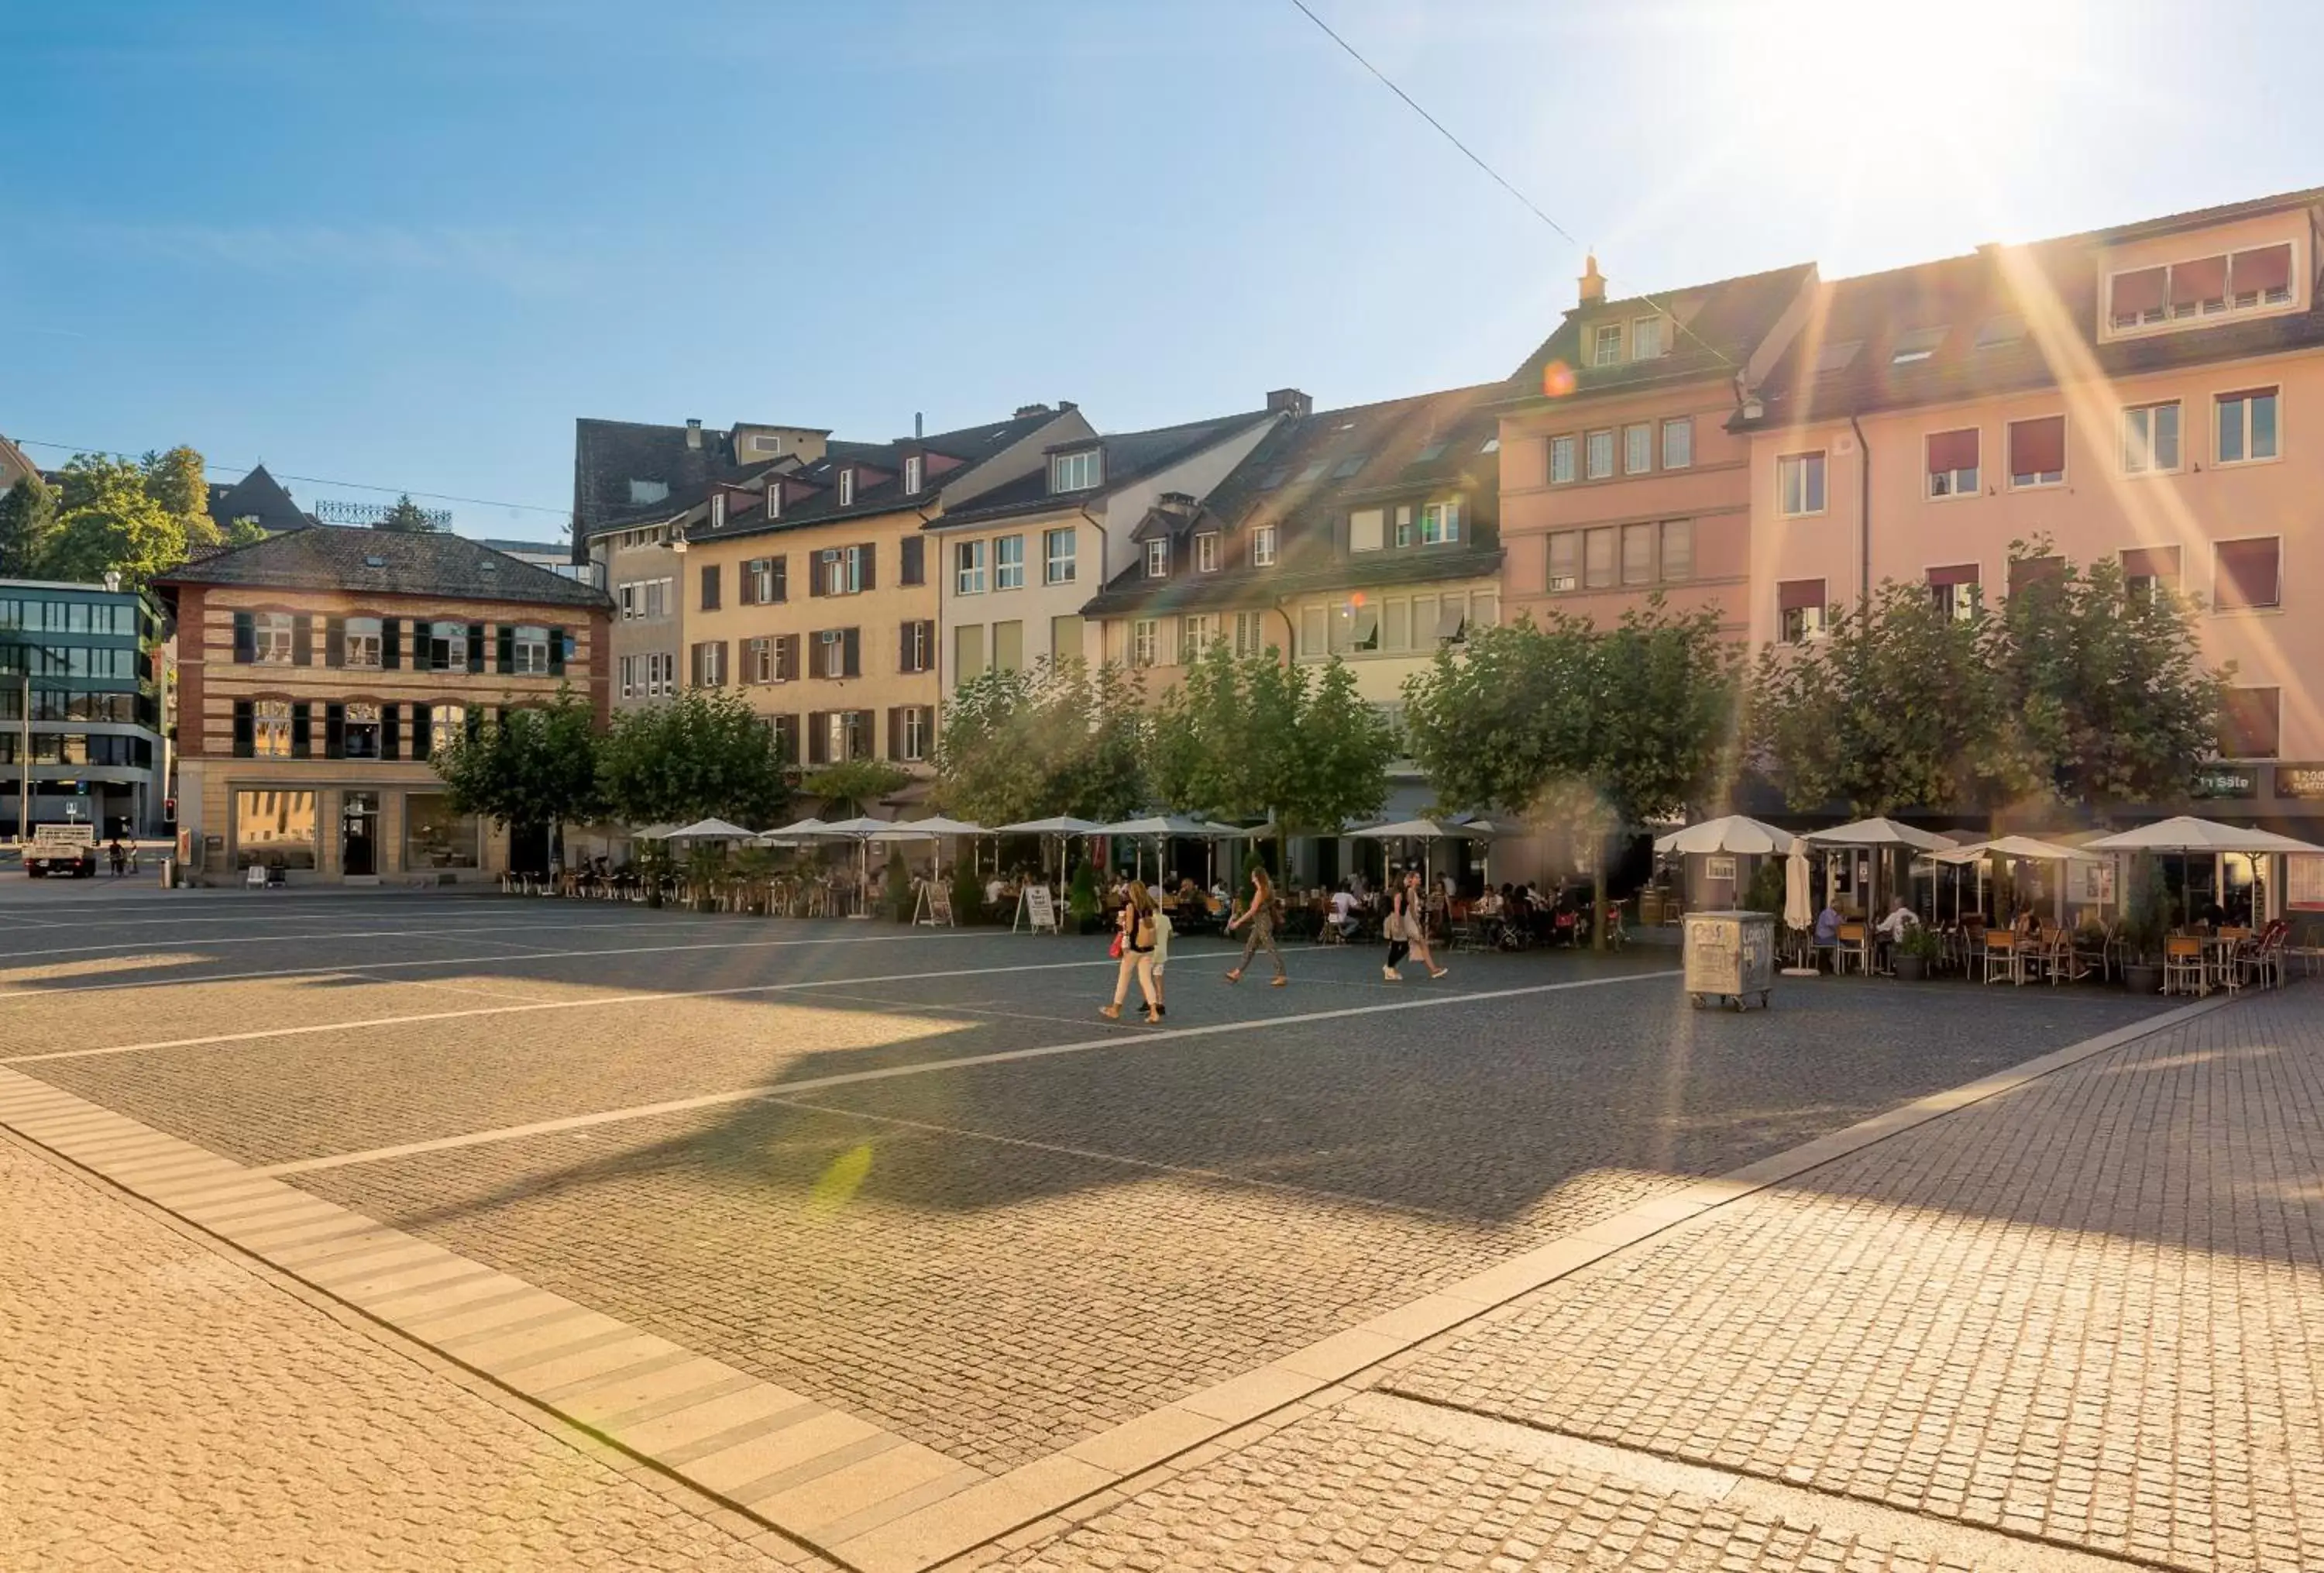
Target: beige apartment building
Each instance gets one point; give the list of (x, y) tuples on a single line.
[(318, 672)]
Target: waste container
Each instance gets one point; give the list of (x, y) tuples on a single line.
[(1730, 959)]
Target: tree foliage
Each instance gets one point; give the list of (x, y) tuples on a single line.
[(28, 523), (536, 766), (853, 786), (110, 521), (407, 517), (175, 480), (1060, 738), (703, 755), (1252, 736)]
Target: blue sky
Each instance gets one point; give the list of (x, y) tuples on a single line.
[(406, 244)]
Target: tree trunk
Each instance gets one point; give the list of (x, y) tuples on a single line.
[(1598, 900)]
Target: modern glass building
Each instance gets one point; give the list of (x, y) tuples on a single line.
[(80, 708)]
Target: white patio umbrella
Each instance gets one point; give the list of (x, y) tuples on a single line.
[(1163, 827), (1428, 831), (2015, 847), (1055, 825), (652, 833), (809, 827), (929, 830), (1730, 833), (2185, 834), (710, 831), (1878, 832)]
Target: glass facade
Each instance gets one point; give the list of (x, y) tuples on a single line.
[(82, 658), (276, 828)]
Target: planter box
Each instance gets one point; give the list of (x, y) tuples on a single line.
[(2142, 979), (1912, 968)]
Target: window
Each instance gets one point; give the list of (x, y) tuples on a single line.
[(2250, 723), (1598, 550), (1954, 590), (434, 837), (270, 729), (1637, 449), (1057, 551), (1066, 638), (1403, 524), (1561, 460), (759, 660), (1952, 463), (1009, 563), (2150, 572), (661, 673), (1008, 646), (628, 669), (2200, 287), (848, 735), (1367, 530), (2248, 574), (1363, 624), (838, 653), (1600, 455), (912, 562), (2037, 451), (967, 652), (2247, 426), (1646, 338), (1837, 356), (762, 581), (528, 651), (1396, 625), (1076, 472), (1144, 641), (847, 488), (360, 641), (709, 587), (915, 470), (448, 646), (1918, 345), (1997, 331), (2260, 277), (1678, 550), (710, 664), (1440, 525), (272, 635), (1197, 632), (1605, 344), (275, 827), (1799, 485), (968, 569), (1564, 562), (844, 570), (917, 646), (911, 733), (359, 733), (1800, 611), (2150, 438), (1250, 633), (1639, 542), (1158, 557), (436, 725), (1314, 631), (642, 598), (1678, 442)]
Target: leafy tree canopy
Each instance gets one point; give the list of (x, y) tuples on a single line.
[(853, 786), (705, 753), (408, 517), (28, 523), (1060, 738), (532, 766), (110, 521), (1252, 736)]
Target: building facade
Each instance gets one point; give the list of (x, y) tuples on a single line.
[(81, 678), (813, 592), (1018, 563), (1620, 478), (319, 670), (2133, 394)]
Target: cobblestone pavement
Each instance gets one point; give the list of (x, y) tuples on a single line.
[(2091, 1310), (162, 1406)]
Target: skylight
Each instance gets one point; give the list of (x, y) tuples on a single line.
[(1348, 466), (2006, 328), (1917, 345), (1835, 357), (1433, 450), (1314, 471), (1492, 444), (1273, 478)]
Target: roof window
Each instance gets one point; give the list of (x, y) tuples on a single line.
[(1918, 345), (2006, 328), (1347, 468), (1837, 357)]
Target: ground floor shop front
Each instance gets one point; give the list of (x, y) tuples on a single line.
[(389, 823)]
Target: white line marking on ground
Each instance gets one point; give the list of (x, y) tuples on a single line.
[(922, 1068)]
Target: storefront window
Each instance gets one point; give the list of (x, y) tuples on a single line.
[(275, 828), (434, 837)]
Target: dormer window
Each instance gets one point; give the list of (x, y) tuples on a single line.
[(1262, 546), (1605, 344), (847, 488), (1076, 472), (2200, 287), (1646, 338), (774, 499), (1158, 558), (1206, 551), (914, 473)]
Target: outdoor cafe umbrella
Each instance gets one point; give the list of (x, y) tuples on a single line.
[(710, 831), (810, 825), (1880, 833), (926, 829), (2185, 835), (1427, 831), (1799, 909), (1730, 833), (1163, 827), (2027, 848)]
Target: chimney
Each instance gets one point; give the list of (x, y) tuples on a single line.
[(1290, 401), (694, 434), (1593, 282), (1025, 409), (1176, 502)]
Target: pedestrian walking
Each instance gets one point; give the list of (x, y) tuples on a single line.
[(1162, 929), (1408, 931), (1134, 943), (120, 855), (1260, 916)]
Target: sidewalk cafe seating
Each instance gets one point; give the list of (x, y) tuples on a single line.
[(2005, 957), (2183, 966), (1853, 947)]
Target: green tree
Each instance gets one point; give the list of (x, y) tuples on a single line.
[(175, 480), (2107, 686), (853, 786), (703, 755), (408, 517), (1060, 738), (1899, 705), (534, 765), (244, 533), (110, 521), (28, 524)]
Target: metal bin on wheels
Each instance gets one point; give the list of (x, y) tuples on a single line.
[(1730, 957)]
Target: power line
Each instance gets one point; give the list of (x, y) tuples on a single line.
[(1495, 175), (314, 480)]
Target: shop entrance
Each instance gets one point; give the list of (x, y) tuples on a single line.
[(359, 834)]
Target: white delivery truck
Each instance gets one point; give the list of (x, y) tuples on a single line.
[(62, 849)]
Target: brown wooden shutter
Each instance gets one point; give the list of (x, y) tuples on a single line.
[(2037, 446), (895, 732), (787, 658), (851, 658), (1800, 595), (782, 578), (1959, 574), (814, 573), (871, 557), (818, 738), (2247, 573), (1952, 451), (913, 568)]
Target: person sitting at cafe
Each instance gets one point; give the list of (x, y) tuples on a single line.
[(1827, 924), (1343, 912), (1900, 918)]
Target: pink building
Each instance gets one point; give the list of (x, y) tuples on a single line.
[(2136, 392)]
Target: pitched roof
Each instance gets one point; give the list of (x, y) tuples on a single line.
[(1129, 457), (1960, 325), (257, 496), (335, 556), (878, 487), (14, 464), (1717, 326), (608, 455)]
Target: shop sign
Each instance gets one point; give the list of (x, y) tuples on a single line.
[(2225, 780), (2299, 780)]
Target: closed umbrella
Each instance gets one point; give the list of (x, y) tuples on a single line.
[(1799, 908)]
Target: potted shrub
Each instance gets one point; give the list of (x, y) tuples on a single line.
[(706, 872), (652, 861), (2144, 927), (967, 894), (899, 886), (1081, 898), (1917, 951)]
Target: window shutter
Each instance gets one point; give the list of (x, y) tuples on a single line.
[(814, 573), (895, 732), (904, 649), (475, 647), (2194, 283), (334, 731), (870, 557), (782, 578), (391, 731), (709, 587), (504, 657), (2247, 573), (391, 643), (244, 729), (302, 640), (2267, 268), (245, 639), (2139, 292), (335, 642), (421, 735), (557, 638), (2037, 446), (913, 570), (302, 730), (1800, 595), (2025, 571), (1952, 451), (1963, 573), (850, 657), (787, 658), (818, 738)]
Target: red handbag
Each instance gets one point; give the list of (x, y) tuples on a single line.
[(1115, 949)]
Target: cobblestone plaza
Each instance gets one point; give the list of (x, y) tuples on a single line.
[(416, 1231)]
